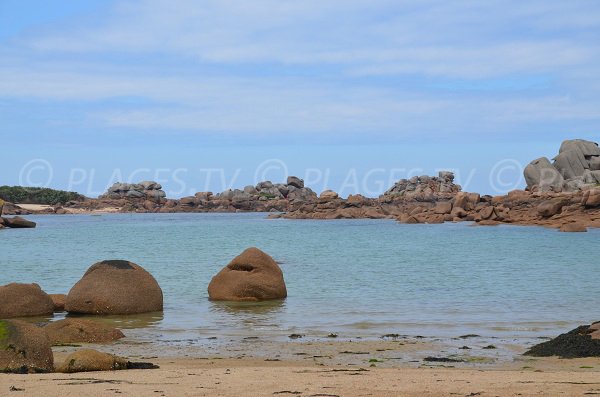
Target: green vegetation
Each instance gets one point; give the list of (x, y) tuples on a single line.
[(3, 329), (268, 196), (37, 195)]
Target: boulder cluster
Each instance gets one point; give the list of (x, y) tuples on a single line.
[(583, 341), (576, 165), (110, 287), (424, 187), (148, 190), (266, 196)]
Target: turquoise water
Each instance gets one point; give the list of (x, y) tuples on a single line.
[(354, 277)]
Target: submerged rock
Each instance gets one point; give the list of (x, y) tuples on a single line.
[(115, 287), (73, 330), (24, 348), (251, 276), (583, 341), (24, 300)]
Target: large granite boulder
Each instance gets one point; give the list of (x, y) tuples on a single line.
[(24, 348), (542, 173), (75, 330), (573, 168), (251, 276), (115, 287), (24, 300)]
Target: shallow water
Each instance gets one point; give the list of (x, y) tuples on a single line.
[(351, 277)]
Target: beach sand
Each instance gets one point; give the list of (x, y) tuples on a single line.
[(248, 377), (323, 369)]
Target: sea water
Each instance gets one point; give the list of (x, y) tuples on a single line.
[(355, 278)]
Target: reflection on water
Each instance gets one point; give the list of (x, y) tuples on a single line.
[(248, 308), (130, 321)]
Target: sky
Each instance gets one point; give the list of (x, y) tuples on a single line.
[(349, 95)]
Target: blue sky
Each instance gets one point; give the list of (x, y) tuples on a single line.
[(360, 91)]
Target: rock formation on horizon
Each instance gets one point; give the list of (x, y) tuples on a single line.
[(576, 165), (424, 187), (149, 190)]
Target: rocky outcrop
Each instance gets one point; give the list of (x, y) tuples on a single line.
[(24, 348), (74, 330), (424, 187), (583, 341), (576, 165), (147, 190), (251, 276), (24, 300), (115, 287)]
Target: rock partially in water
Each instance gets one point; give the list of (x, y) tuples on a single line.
[(73, 330), (18, 223), (24, 348), (251, 276), (24, 300), (115, 287), (583, 341)]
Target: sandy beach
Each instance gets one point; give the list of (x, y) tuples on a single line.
[(257, 377)]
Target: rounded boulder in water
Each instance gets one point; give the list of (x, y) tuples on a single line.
[(251, 276), (115, 287)]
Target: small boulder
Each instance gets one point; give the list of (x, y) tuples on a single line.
[(573, 228), (443, 208), (18, 223), (328, 195), (59, 301), (488, 213), (87, 360), (24, 348), (550, 208), (115, 287), (591, 198), (251, 276), (74, 330), (295, 182), (24, 300)]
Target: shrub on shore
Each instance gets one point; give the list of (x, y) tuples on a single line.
[(37, 195)]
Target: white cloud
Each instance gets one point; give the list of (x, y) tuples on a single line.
[(313, 67)]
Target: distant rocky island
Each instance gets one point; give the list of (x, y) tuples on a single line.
[(562, 194)]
